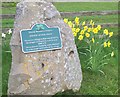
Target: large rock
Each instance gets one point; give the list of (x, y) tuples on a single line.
[(46, 72)]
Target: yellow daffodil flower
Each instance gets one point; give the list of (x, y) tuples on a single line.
[(77, 23), (93, 25), (66, 20), (99, 27), (85, 28), (95, 30), (87, 35), (73, 29), (82, 32), (106, 32), (105, 44), (83, 23), (77, 30), (91, 22), (77, 19), (73, 25), (89, 29), (110, 34), (81, 37), (112, 54), (93, 40), (70, 24), (109, 43), (74, 33)]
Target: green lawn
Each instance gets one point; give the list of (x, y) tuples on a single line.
[(99, 18), (85, 6), (6, 63), (8, 23), (9, 4), (93, 83), (72, 6), (8, 10)]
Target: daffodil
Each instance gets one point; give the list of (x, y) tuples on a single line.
[(82, 32), (77, 30), (81, 37), (87, 35), (76, 19), (109, 43), (3, 35), (83, 23), (95, 30), (99, 27), (70, 24), (112, 54), (77, 22), (73, 25), (89, 29), (74, 33), (85, 28), (93, 25), (105, 44), (110, 34), (73, 29), (66, 20), (106, 32), (91, 22), (93, 40)]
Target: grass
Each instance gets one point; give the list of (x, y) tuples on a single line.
[(93, 83), (85, 6), (8, 23), (70, 6), (9, 4), (9, 10), (6, 63), (99, 19), (103, 84)]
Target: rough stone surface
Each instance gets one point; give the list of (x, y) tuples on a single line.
[(47, 72)]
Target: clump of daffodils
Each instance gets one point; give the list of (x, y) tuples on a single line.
[(96, 39)]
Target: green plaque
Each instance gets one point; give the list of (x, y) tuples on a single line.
[(40, 38)]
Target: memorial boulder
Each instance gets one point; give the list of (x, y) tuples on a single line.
[(44, 55)]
